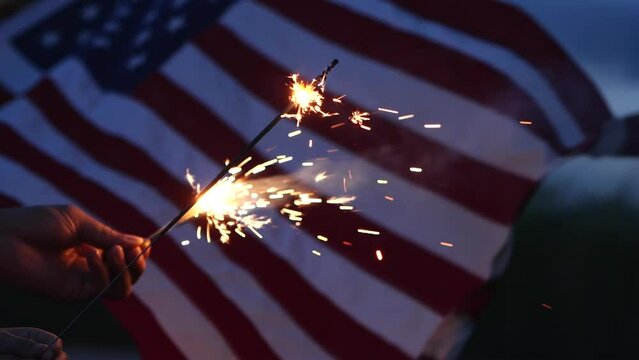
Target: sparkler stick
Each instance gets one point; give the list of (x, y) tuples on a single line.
[(166, 228)]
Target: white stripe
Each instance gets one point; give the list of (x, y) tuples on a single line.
[(272, 322), (417, 211), (179, 318), (476, 131), (29, 16), (128, 119), (189, 329), (493, 55), (16, 73)]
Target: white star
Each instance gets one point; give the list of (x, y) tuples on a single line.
[(101, 42), (142, 37), (175, 24), (136, 61), (122, 11), (179, 3), (111, 26), (50, 39), (150, 16), (90, 12)]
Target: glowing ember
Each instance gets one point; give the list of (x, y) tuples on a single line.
[(432, 126), (416, 169), (382, 181), (379, 255), (322, 237), (525, 122), (406, 117), (321, 176), (347, 243), (388, 110), (185, 242), (369, 232), (446, 244), (315, 252), (294, 133), (306, 98), (389, 198), (307, 163), (358, 118)]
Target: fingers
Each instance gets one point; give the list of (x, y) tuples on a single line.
[(139, 266), (115, 261), (93, 232), (23, 347)]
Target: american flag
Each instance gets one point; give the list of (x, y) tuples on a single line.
[(105, 103)]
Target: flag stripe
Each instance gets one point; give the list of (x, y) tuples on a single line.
[(486, 190), (471, 78), (5, 95), (152, 341), (239, 333), (196, 123), (279, 273), (530, 42)]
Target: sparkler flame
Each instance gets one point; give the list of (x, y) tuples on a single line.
[(307, 98)]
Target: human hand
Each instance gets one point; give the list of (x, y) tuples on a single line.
[(29, 343), (62, 252)]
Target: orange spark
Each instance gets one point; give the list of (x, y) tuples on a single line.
[(446, 244), (379, 254)]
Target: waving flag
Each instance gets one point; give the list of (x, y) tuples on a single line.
[(104, 104)]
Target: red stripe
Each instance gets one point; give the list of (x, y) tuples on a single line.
[(488, 191), (8, 202), (196, 123), (420, 57), (153, 343), (238, 331), (279, 273), (5, 95), (511, 28), (67, 120)]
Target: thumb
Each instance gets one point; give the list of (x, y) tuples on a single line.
[(21, 347), (95, 233)]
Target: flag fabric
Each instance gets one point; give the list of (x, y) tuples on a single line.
[(106, 103)]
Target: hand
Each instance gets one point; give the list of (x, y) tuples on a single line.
[(62, 252), (29, 343)]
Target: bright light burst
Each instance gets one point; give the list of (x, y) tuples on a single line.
[(307, 98)]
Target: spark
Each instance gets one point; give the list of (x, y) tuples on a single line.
[(416, 169), (358, 118), (294, 133), (315, 252), (185, 242), (406, 117), (310, 143), (335, 126), (347, 243), (286, 159), (199, 232), (379, 254), (525, 122), (382, 181), (307, 163), (338, 99), (346, 207), (369, 232), (344, 185), (332, 150), (389, 198), (321, 176), (388, 110), (432, 126), (546, 306), (446, 244), (340, 200), (322, 238)]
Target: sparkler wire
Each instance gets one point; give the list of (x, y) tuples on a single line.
[(165, 229)]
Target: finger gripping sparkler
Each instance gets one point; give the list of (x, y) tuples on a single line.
[(295, 102)]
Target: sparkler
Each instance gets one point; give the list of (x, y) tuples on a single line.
[(305, 97)]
